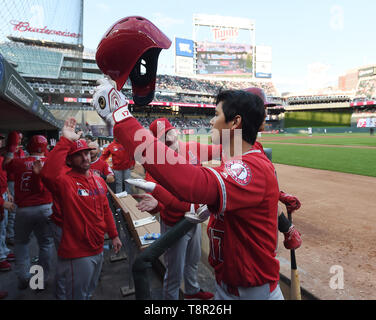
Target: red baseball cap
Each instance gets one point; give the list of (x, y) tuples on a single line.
[(79, 145), (160, 127)]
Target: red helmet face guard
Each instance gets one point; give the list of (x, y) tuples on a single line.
[(130, 42), (143, 77)]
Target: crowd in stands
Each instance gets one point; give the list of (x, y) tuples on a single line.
[(209, 86), (178, 122), (367, 110), (367, 88), (311, 99)]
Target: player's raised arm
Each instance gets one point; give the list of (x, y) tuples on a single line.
[(185, 181)]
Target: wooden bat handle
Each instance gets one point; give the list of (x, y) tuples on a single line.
[(295, 293)]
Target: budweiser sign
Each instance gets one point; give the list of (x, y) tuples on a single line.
[(224, 34), (25, 27)]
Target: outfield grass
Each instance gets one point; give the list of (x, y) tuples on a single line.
[(348, 160), (342, 141)]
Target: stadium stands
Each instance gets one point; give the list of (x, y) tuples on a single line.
[(366, 88), (208, 86), (33, 61)]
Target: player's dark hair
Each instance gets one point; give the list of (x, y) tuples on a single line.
[(247, 105)]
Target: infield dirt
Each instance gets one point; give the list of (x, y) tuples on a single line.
[(337, 221)]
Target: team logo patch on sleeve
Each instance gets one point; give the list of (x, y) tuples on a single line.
[(239, 171), (83, 193)]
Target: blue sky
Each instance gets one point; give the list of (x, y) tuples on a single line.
[(313, 42)]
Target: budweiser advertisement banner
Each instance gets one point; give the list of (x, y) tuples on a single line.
[(45, 20)]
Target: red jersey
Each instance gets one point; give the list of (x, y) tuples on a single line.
[(83, 204), (38, 186), (171, 209), (243, 196), (246, 218), (3, 182), (19, 153), (24, 194), (101, 168), (121, 158)]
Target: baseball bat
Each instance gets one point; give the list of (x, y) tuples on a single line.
[(295, 293)]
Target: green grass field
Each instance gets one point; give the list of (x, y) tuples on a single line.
[(348, 160), (341, 141)]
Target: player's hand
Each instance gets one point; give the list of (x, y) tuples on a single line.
[(10, 197), (198, 216), (147, 203), (107, 100), (291, 202), (37, 166), (116, 244), (69, 130), (142, 184), (10, 206)]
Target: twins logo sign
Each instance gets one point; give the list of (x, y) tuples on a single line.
[(239, 171)]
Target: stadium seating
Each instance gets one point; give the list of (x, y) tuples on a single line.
[(366, 88)]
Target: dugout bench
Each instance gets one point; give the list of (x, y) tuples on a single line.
[(142, 255)]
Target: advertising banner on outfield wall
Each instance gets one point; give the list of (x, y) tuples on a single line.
[(366, 123), (16, 90)]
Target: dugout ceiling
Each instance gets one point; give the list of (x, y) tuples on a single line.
[(20, 108)]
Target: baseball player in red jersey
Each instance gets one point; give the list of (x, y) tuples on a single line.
[(242, 195), (5, 206), (181, 259), (98, 166), (4, 265), (122, 164), (85, 212), (33, 211), (17, 153)]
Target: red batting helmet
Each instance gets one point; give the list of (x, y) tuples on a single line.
[(259, 92), (130, 43), (37, 144)]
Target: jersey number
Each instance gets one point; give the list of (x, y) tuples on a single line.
[(216, 241), (25, 182)]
